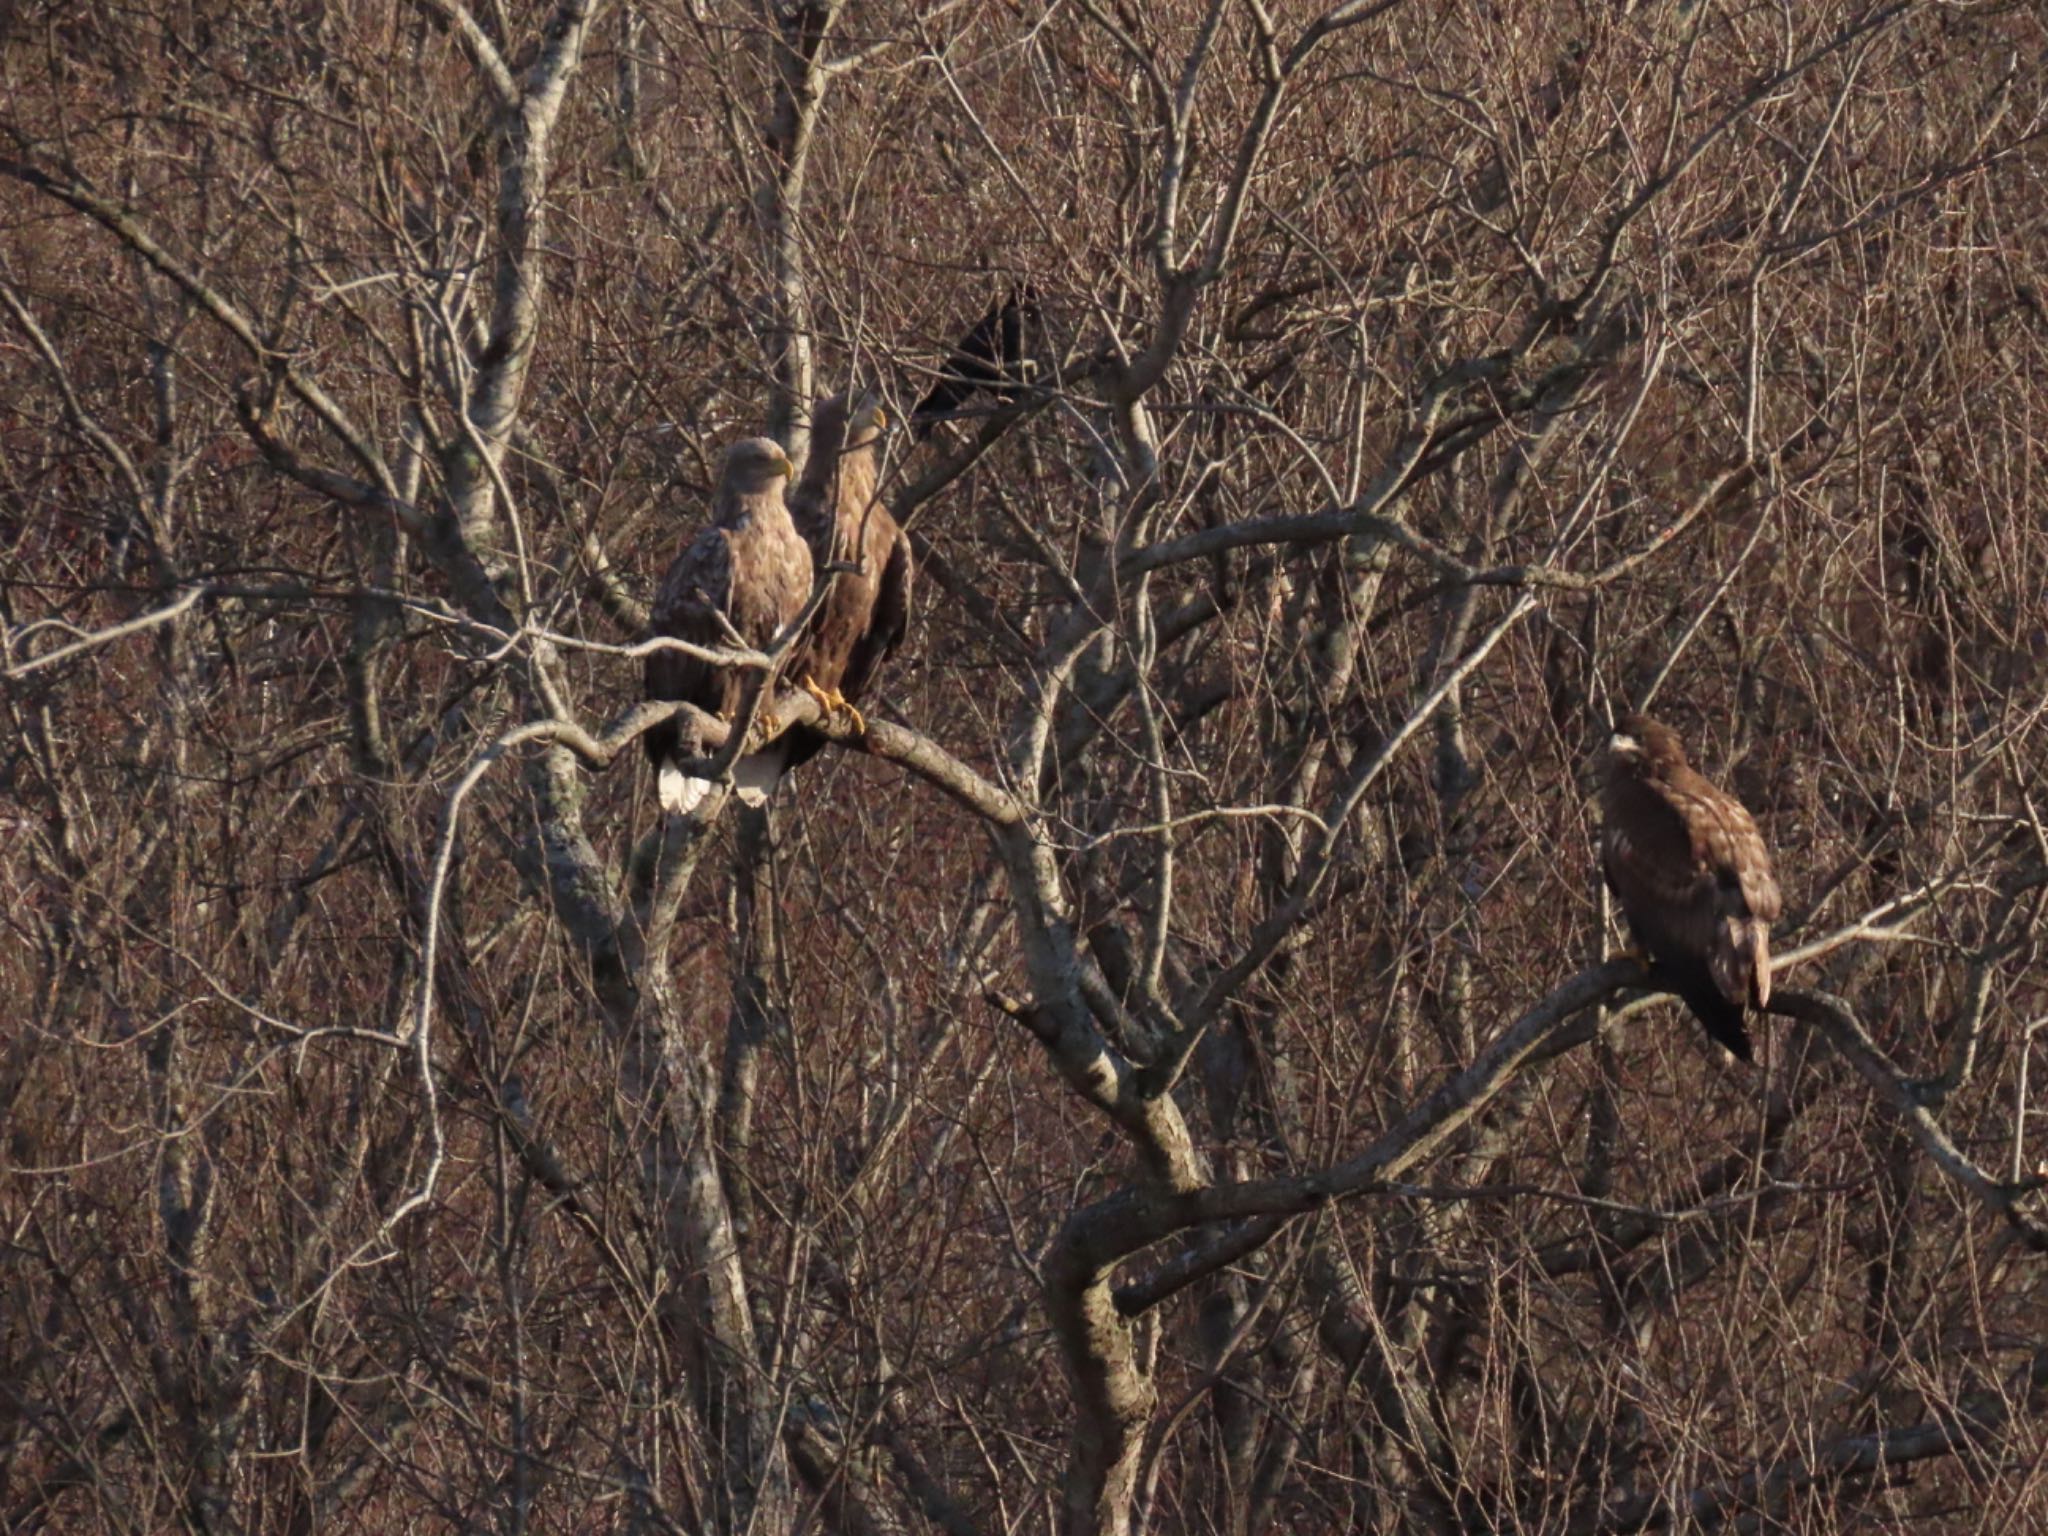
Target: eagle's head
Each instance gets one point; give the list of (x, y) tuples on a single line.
[(753, 464), (868, 420), (843, 423), (1641, 745)]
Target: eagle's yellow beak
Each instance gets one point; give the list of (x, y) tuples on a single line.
[(783, 467), (881, 419)]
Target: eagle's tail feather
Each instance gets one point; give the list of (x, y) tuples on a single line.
[(1721, 1019), (755, 775), (680, 794), (668, 743)]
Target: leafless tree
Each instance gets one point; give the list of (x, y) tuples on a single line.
[(1172, 1070)]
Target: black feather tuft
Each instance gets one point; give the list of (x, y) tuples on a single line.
[(1721, 1019)]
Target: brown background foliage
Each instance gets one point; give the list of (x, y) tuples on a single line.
[(1172, 1078)]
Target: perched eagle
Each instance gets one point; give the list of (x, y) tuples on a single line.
[(841, 516), (748, 575), (1692, 875)]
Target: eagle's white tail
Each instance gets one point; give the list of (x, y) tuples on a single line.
[(755, 776), (680, 794)]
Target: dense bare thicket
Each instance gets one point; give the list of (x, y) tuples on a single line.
[(1175, 1071)]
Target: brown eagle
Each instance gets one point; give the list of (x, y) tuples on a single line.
[(747, 576), (841, 516), (1692, 875)]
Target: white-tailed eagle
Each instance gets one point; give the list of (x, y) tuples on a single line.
[(1692, 875), (867, 608), (739, 581)]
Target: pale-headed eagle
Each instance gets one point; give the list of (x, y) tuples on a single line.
[(1692, 875), (740, 581), (867, 609)]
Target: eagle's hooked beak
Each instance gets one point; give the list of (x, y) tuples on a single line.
[(783, 467), (1621, 744)]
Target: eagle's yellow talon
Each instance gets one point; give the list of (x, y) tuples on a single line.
[(832, 702)]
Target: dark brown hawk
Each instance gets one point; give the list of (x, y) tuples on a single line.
[(740, 581), (1692, 875), (841, 516)]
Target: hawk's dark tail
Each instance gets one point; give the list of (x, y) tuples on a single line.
[(1721, 1019)]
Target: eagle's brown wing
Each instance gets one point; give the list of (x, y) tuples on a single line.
[(841, 620), (1646, 852), (888, 620), (697, 589), (1694, 878), (1730, 850), (1726, 840), (747, 581)]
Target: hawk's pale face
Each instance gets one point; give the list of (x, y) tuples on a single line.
[(1623, 747)]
